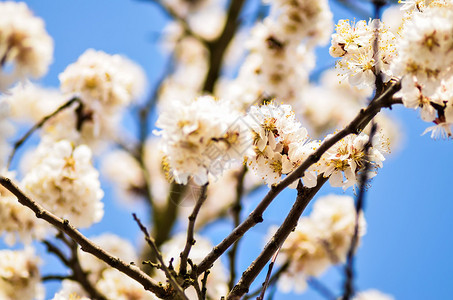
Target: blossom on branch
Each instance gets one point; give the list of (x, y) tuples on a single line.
[(63, 180), (26, 49), (280, 143), (202, 136), (346, 159), (19, 275)]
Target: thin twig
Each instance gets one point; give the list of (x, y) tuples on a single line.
[(56, 277), (204, 282), (190, 229), (38, 125), (73, 263), (153, 245), (217, 48), (236, 211), (319, 287), (51, 248), (272, 280), (349, 291), (349, 269), (356, 126), (86, 245), (268, 276)]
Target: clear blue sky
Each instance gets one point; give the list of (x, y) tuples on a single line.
[(407, 250)]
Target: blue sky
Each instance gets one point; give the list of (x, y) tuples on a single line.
[(408, 246)]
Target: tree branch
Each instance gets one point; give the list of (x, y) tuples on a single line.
[(304, 195), (218, 47), (86, 245), (190, 229), (236, 211), (255, 217), (164, 267)]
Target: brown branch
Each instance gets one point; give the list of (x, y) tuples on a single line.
[(304, 195), (73, 263), (217, 48), (190, 229), (164, 267), (170, 12), (51, 248), (86, 245), (349, 269), (56, 277), (38, 125), (255, 217), (236, 211)]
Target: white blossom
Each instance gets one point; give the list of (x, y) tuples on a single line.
[(105, 84), (309, 20), (19, 275), (6, 131), (200, 137), (30, 102), (126, 175), (16, 220), (354, 43), (320, 240), (425, 55), (63, 180), (25, 46), (346, 159), (372, 295), (280, 143), (116, 285), (335, 217)]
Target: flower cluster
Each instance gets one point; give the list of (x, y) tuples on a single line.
[(306, 19), (19, 275), (31, 102), (320, 240), (16, 220), (372, 295), (360, 62), (201, 137), (6, 130), (105, 84), (63, 179), (346, 159), (280, 143), (25, 46), (425, 65)]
